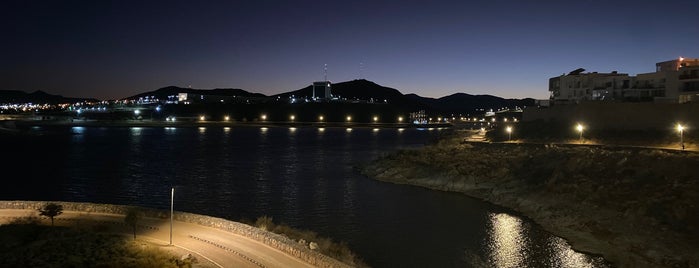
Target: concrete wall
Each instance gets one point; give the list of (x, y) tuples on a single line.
[(273, 240), (619, 116)]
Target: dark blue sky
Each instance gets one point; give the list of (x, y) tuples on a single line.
[(114, 49)]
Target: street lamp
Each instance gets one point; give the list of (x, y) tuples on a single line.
[(680, 128), (509, 133), (172, 205), (580, 129)]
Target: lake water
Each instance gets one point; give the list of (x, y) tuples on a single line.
[(303, 177)]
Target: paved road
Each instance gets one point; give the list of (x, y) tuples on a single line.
[(223, 249), (479, 136)]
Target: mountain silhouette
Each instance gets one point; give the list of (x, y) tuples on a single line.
[(163, 93), (359, 91), (456, 103), (37, 97)]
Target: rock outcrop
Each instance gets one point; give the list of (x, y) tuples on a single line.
[(636, 207)]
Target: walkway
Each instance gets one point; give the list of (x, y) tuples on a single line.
[(221, 248)]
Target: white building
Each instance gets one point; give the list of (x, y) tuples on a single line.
[(321, 90), (673, 81)]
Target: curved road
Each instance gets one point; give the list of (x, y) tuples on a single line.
[(222, 248)]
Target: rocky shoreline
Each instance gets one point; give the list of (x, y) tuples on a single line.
[(635, 207)]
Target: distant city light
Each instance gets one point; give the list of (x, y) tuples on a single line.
[(680, 129), (292, 117), (349, 118), (376, 118), (201, 118), (320, 118), (400, 119), (580, 129), (264, 117), (137, 112), (226, 118)]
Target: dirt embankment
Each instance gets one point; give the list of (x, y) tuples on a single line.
[(636, 207)]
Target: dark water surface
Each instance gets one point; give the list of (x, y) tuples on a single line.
[(303, 177)]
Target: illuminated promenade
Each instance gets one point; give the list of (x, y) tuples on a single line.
[(211, 246)]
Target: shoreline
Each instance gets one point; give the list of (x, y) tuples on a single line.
[(20, 124), (603, 201)]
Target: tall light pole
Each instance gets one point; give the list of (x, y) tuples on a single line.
[(680, 128), (172, 204)]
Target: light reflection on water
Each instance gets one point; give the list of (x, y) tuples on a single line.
[(508, 241), (509, 246), (565, 256), (302, 177)]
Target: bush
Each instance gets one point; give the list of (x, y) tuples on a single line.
[(339, 251)]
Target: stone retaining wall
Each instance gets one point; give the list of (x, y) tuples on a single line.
[(273, 240)]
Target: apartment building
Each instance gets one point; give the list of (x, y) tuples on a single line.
[(674, 81)]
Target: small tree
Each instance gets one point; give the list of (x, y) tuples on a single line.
[(51, 210), (131, 219)]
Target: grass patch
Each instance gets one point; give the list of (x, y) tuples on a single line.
[(26, 243)]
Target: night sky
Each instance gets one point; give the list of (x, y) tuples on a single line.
[(115, 49)]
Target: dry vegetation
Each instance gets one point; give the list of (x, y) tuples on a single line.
[(27, 243), (312, 240), (637, 207)]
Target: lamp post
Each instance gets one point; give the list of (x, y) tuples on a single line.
[(509, 133), (580, 129), (172, 203), (680, 128)]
